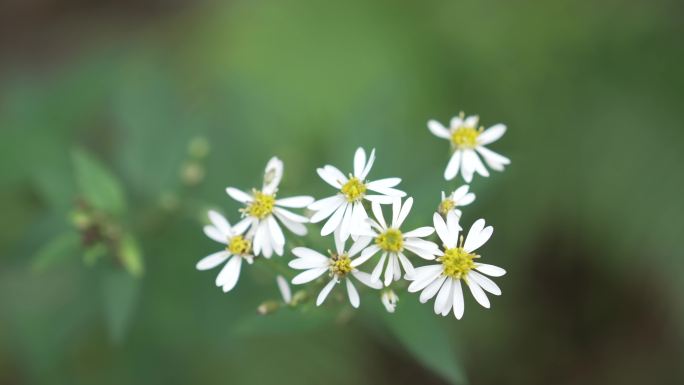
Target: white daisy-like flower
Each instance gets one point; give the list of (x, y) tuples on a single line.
[(237, 248), (338, 266), (460, 197), (345, 209), (456, 264), (467, 141), (262, 209), (389, 300), (393, 242)]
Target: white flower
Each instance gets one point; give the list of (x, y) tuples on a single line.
[(393, 242), (262, 209), (284, 289), (389, 300), (345, 208), (460, 197), (338, 266), (456, 265), (467, 141), (237, 249)]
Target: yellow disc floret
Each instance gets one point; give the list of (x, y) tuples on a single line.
[(465, 137), (238, 245), (446, 205), (353, 190), (391, 240), (262, 206), (340, 265), (457, 262)]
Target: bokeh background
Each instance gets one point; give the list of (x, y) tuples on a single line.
[(121, 123)]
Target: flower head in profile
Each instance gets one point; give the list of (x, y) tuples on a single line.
[(237, 248), (338, 267), (264, 212), (460, 197), (467, 141), (392, 242), (389, 300), (457, 264), (345, 209)]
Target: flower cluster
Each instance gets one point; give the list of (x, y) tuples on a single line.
[(374, 250)]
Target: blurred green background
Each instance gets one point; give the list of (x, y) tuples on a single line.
[(102, 104)]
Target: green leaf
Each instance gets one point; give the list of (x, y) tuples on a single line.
[(58, 250), (130, 256), (120, 292), (93, 254), (423, 334), (97, 185)]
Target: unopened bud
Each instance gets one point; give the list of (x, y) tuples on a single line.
[(268, 307)]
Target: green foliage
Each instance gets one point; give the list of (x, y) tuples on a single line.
[(98, 185), (131, 256), (62, 248), (120, 291)]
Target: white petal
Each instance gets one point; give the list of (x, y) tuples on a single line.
[(459, 305), (423, 276), (490, 270), (493, 160), (266, 239), (388, 191), (466, 200), (446, 308), (276, 232), (477, 236), (491, 134), (471, 121), (405, 210), (284, 289), (220, 222), (396, 210), (353, 294), (212, 260), (459, 193), (425, 254), (326, 290), (478, 293), (406, 264), (468, 165), (332, 176), (365, 279), (453, 225), (339, 242), (296, 227), (397, 267), (443, 297), (290, 215), (241, 226), (377, 212), (258, 240), (389, 270), (484, 282), (345, 225), (443, 232), (230, 273), (239, 195), (308, 275), (328, 202), (420, 232), (298, 202), (386, 182), (326, 211), (479, 166), (432, 289), (368, 167), (381, 199), (453, 165), (216, 235), (306, 264), (438, 129), (375, 275), (306, 253), (359, 245), (359, 161), (365, 255), (272, 175), (358, 221), (420, 244), (334, 220)]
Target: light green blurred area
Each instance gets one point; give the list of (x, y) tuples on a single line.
[(587, 218)]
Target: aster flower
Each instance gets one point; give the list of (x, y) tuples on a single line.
[(393, 242), (460, 197), (467, 141), (389, 300), (456, 264), (345, 209), (262, 209), (338, 266), (237, 248)]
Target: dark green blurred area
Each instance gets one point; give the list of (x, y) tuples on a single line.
[(588, 218)]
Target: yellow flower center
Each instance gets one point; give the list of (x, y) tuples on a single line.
[(262, 206), (340, 265), (238, 245), (391, 240), (353, 190), (446, 206), (457, 262), (465, 137)]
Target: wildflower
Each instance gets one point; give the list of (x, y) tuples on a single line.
[(389, 300), (460, 197), (345, 209), (455, 265), (467, 141), (393, 242), (262, 209), (237, 248), (338, 266)]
